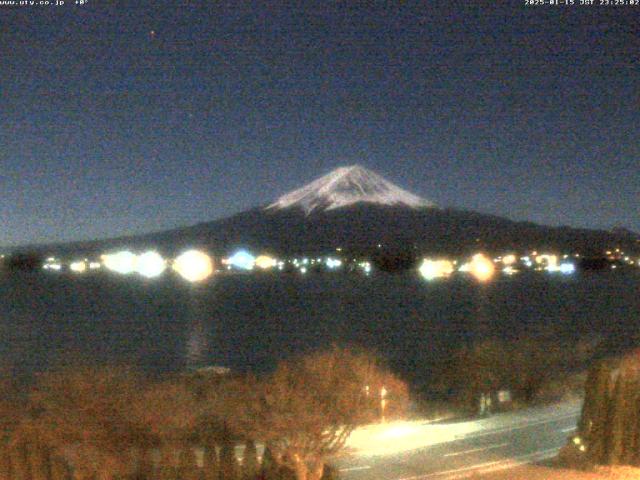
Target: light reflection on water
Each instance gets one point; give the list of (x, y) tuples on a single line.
[(197, 346), (197, 333)]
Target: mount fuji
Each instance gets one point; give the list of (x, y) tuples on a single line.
[(348, 186), (357, 210)]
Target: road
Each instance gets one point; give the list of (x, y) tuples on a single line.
[(417, 451)]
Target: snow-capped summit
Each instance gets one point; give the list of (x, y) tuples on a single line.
[(347, 186)]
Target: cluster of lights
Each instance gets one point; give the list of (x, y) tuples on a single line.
[(480, 267), (77, 266), (550, 262), (52, 263), (333, 263), (366, 267), (547, 262), (620, 256), (149, 264), (483, 268), (244, 260), (301, 264), (196, 266), (577, 441), (192, 265), (510, 270)]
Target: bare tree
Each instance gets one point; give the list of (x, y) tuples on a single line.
[(83, 414), (309, 406), (168, 410)]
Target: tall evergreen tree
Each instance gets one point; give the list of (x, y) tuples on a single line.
[(630, 416), (616, 426), (591, 397), (635, 460), (593, 422)]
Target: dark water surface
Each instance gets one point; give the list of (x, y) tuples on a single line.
[(250, 321)]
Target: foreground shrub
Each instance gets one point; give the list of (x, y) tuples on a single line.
[(88, 409), (533, 370), (109, 423), (309, 406)]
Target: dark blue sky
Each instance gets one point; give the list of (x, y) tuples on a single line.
[(107, 129)]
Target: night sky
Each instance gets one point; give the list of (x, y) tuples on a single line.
[(117, 119)]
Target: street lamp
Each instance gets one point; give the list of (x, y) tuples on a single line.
[(383, 402)]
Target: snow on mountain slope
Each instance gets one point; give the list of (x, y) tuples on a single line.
[(347, 186)]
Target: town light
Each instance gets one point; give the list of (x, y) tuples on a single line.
[(550, 262), (333, 263), (242, 259), (265, 262), (78, 267), (567, 268), (193, 265), (509, 270), (150, 264), (509, 259), (481, 267), (432, 269), (123, 262)]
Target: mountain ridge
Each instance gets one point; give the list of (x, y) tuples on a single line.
[(355, 209)]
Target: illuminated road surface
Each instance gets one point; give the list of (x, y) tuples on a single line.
[(413, 451)]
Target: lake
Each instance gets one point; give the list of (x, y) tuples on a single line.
[(251, 321)]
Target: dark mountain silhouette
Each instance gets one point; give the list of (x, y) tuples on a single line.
[(361, 213)]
